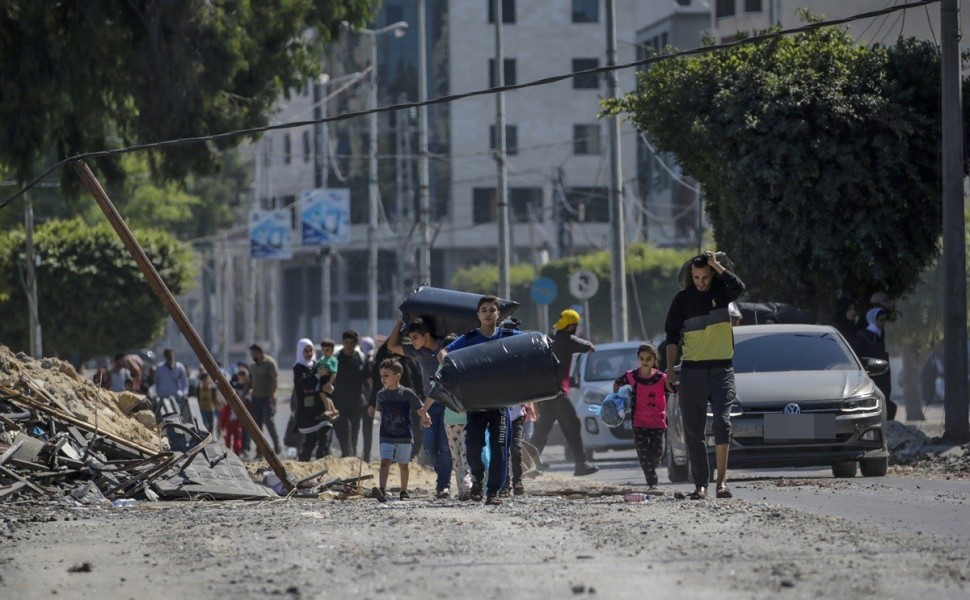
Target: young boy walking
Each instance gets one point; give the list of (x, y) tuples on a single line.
[(395, 403), (649, 411)]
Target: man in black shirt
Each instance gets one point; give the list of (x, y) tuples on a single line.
[(348, 393), (564, 344)]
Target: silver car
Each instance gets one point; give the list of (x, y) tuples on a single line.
[(805, 398)]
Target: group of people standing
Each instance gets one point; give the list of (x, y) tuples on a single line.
[(867, 336)]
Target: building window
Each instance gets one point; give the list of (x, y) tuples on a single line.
[(509, 73), (586, 11), (511, 139), (525, 204), (587, 81), (508, 11), (307, 152), (287, 149), (483, 206), (268, 151), (586, 139), (725, 8), (683, 2), (752, 6), (592, 204), (393, 14)]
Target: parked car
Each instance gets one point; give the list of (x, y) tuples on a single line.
[(591, 380), (806, 400)]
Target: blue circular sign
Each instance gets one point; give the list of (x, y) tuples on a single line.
[(544, 290)]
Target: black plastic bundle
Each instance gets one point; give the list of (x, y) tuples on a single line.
[(503, 372), (449, 311)]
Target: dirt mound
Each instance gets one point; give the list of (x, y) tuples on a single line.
[(905, 443), (346, 468), (81, 398)]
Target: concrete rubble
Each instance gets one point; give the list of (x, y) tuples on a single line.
[(65, 439), (910, 447)]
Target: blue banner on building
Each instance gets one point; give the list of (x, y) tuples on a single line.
[(325, 217), (270, 234)]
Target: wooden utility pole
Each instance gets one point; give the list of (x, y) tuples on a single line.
[(502, 188), (175, 311), (956, 425), (618, 304)]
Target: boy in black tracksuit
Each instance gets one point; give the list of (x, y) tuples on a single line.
[(698, 318)]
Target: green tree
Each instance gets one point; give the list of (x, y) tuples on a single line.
[(93, 299), (85, 76), (819, 159)]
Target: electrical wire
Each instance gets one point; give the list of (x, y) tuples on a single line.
[(755, 39)]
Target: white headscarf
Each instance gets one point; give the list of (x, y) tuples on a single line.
[(303, 343), (871, 317)]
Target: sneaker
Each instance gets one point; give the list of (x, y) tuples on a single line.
[(405, 495), (379, 494), (476, 492), (464, 496), (585, 469), (443, 494), (518, 489), (493, 501)]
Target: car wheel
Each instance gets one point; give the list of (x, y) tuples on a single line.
[(845, 469), (675, 472), (874, 467)]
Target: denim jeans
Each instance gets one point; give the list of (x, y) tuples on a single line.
[(436, 447)]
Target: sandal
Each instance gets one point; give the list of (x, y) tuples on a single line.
[(723, 492), (379, 494), (698, 494)]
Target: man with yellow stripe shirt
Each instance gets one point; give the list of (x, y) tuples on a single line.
[(698, 319)]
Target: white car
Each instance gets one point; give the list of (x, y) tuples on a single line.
[(591, 380)]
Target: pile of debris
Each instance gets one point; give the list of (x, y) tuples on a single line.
[(910, 447), (63, 437)]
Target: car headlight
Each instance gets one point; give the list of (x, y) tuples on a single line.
[(594, 397), (860, 404)]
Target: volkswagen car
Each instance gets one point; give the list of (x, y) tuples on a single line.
[(805, 399)]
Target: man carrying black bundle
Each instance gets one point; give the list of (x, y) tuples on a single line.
[(698, 318), (565, 343)]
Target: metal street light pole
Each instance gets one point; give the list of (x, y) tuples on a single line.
[(618, 246), (502, 190), (956, 425), (424, 200), (33, 316), (372, 191)]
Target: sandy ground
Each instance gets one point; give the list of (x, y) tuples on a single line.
[(534, 546)]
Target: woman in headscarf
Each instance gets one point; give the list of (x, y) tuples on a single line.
[(846, 319), (311, 420), (871, 343)]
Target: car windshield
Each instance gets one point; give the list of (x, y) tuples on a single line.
[(607, 365), (768, 352)]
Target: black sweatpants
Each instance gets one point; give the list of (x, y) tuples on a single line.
[(698, 387), (562, 410), (347, 428), (516, 434), (319, 440)]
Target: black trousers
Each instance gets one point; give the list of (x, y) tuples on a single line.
[(367, 424), (516, 434), (650, 448), (562, 410), (347, 428), (698, 387)]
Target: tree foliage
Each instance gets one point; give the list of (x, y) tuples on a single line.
[(819, 159), (85, 76), (93, 299), (651, 284)]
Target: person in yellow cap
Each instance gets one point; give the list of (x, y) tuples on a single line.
[(565, 343)]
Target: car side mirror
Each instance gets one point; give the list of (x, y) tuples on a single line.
[(875, 366)]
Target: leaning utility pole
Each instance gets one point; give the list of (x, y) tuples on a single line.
[(956, 425), (424, 202), (618, 245), (502, 187), (33, 314)]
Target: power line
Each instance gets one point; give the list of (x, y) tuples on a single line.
[(755, 39)]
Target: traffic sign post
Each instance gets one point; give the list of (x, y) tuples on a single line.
[(543, 291), (583, 285)]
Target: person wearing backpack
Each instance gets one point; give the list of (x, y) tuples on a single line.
[(649, 411)]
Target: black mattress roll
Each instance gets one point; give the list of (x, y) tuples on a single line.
[(448, 310), (503, 372)]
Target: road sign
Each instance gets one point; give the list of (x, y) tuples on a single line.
[(269, 234), (543, 290), (583, 284), (325, 217)]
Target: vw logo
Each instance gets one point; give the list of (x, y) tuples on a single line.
[(793, 409)]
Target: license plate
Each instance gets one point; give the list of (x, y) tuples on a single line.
[(799, 427)]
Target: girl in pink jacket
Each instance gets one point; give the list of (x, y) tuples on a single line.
[(649, 411)]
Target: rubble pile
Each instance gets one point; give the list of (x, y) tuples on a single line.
[(62, 438), (910, 447)]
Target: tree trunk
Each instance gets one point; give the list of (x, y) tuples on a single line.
[(913, 361)]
